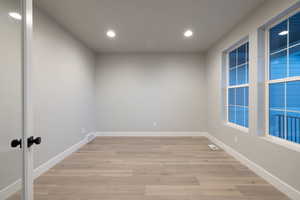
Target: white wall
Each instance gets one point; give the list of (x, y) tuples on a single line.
[(136, 90), (277, 159), (64, 94)]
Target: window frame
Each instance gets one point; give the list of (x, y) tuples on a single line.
[(228, 86), (267, 81)]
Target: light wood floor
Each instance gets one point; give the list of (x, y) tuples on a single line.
[(131, 168)]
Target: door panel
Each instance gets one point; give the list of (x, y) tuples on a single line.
[(10, 97)]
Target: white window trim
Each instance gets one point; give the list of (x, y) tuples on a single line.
[(236, 126), (238, 86), (228, 123), (277, 140)]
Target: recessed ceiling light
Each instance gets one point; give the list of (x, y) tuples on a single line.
[(283, 33), (111, 34), (15, 15), (188, 33)]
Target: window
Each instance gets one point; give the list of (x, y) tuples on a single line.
[(284, 79), (238, 87)]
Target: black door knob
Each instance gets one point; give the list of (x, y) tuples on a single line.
[(15, 143), (33, 140)]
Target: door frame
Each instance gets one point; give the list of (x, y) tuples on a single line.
[(27, 103)]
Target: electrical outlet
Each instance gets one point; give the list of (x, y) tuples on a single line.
[(154, 124), (83, 130)]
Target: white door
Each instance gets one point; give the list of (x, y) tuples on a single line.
[(15, 103)]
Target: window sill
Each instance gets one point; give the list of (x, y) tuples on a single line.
[(282, 142), (235, 126)]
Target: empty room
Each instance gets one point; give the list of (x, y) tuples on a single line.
[(150, 100)]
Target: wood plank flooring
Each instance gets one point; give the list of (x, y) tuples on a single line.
[(147, 168)]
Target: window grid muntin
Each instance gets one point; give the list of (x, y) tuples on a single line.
[(236, 85), (284, 80)]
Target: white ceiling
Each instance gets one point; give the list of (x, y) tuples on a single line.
[(148, 25)]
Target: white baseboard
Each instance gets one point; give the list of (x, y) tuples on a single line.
[(152, 134), (58, 158), (16, 186), (275, 181), (282, 186), (10, 190)]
